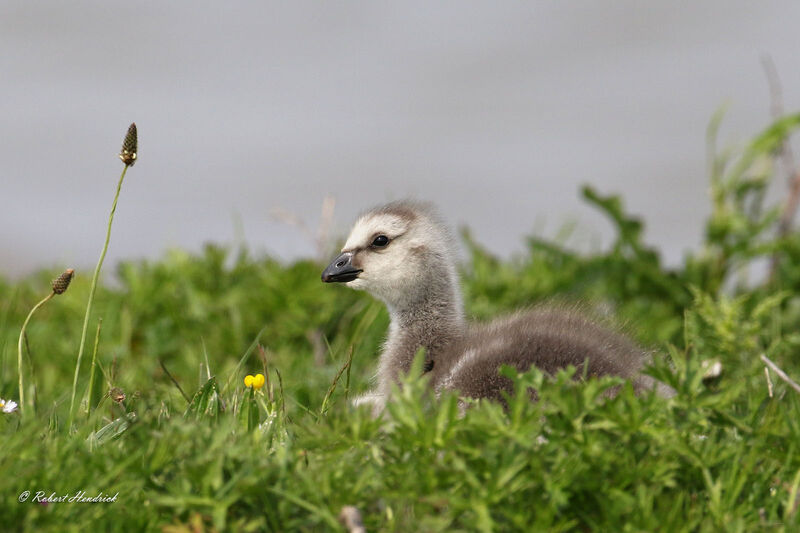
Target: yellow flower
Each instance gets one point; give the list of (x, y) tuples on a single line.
[(258, 381), (248, 380)]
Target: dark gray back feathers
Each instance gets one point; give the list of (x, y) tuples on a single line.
[(547, 338)]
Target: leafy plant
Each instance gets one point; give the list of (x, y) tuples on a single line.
[(188, 443)]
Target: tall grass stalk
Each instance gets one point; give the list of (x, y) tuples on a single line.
[(59, 286), (19, 352), (128, 156), (91, 297)]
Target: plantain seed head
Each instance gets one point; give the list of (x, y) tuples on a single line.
[(117, 394), (61, 283), (129, 146)]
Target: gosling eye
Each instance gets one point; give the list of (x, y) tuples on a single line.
[(380, 241)]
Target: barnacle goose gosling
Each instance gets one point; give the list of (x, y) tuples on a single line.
[(403, 254)]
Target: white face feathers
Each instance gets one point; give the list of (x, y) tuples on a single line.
[(383, 246), (396, 252)]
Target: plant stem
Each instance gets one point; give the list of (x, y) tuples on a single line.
[(781, 373), (347, 380), (175, 381), (91, 298), (19, 352), (332, 388), (91, 393)]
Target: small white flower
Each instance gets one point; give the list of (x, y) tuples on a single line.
[(8, 406)]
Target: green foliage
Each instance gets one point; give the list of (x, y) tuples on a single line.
[(722, 454)]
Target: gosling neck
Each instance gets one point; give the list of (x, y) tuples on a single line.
[(431, 318)]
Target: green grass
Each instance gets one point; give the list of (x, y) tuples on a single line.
[(721, 455)]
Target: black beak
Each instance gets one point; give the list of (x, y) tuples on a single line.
[(341, 269)]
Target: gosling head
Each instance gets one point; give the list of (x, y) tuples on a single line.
[(398, 252)]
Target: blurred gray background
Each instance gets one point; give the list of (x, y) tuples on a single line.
[(498, 112)]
